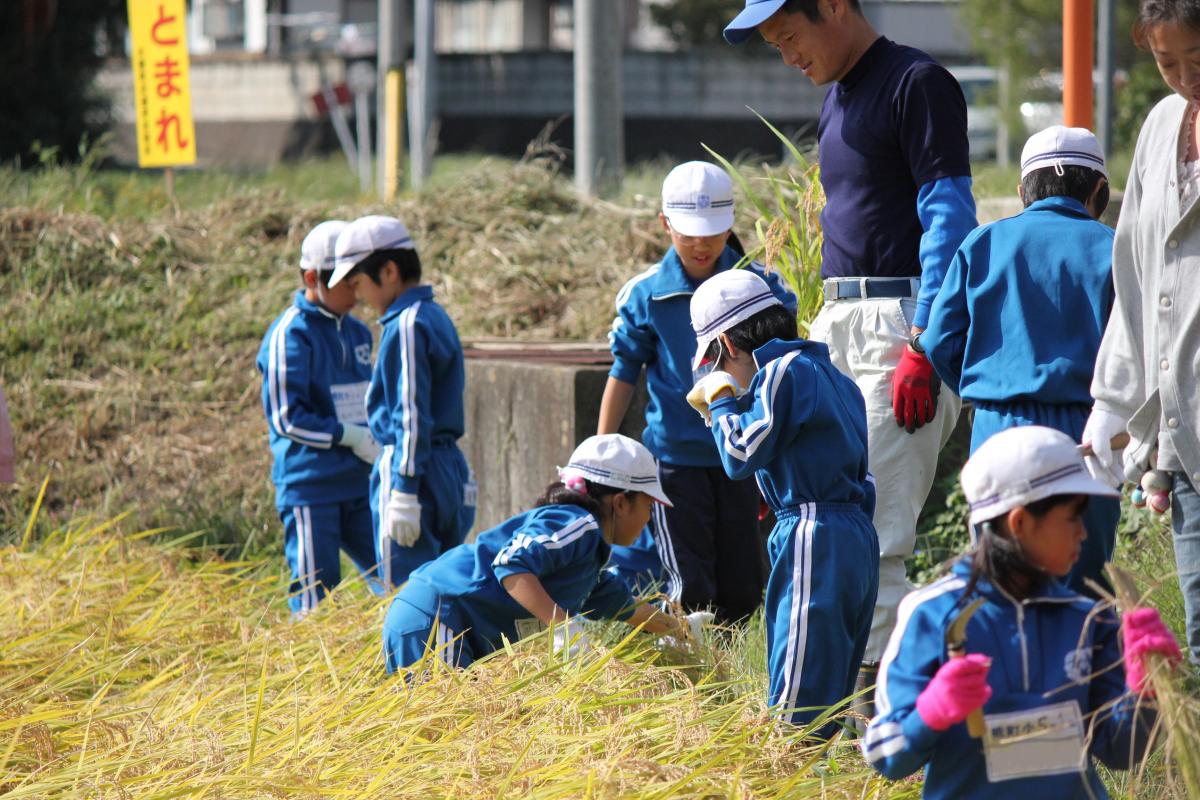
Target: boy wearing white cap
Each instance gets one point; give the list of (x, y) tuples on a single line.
[(800, 429), (707, 542), (542, 568), (422, 489), (316, 361), (1036, 689), (1017, 324)]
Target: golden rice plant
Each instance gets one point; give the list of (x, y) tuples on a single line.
[(137, 667)]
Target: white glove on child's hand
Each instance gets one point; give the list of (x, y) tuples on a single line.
[(569, 637), (706, 390), (697, 621), (402, 518), (360, 441)]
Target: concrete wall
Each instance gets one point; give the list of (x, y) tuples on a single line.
[(523, 418)]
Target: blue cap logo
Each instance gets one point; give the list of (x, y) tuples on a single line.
[(702, 201)]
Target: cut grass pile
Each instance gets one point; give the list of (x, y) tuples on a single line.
[(136, 667)]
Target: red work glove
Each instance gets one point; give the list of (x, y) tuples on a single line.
[(1143, 632), (959, 687), (915, 389)]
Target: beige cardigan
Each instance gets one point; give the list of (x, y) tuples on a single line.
[(1148, 368)]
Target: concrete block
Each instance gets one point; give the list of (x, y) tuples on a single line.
[(527, 407)]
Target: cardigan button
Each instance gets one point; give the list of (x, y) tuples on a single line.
[(1164, 301), (1172, 423), (1174, 243)]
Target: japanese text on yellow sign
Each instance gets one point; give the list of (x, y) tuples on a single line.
[(160, 79)]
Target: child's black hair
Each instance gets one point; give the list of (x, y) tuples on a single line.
[(735, 244), (405, 259), (773, 322), (1076, 182), (998, 556), (557, 494), (323, 275)]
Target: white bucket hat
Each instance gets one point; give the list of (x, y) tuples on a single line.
[(1059, 146), (1018, 466), (723, 301), (697, 199), (618, 461), (317, 249), (365, 236)]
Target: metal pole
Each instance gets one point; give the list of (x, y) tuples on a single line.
[(1078, 18), (362, 122), (1104, 95), (389, 119), (599, 113), (423, 100)]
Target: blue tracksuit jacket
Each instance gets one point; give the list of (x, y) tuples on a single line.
[(315, 367), (801, 429), (653, 328), (1021, 312), (561, 545), (1054, 647)]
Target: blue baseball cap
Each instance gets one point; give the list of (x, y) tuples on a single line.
[(754, 14)]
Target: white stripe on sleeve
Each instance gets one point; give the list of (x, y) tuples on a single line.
[(742, 444), (277, 388), (406, 324)]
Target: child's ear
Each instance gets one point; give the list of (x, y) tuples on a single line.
[(310, 278), (728, 346), (662, 220), (1019, 520)]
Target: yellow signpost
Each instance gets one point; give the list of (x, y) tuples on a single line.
[(165, 134)]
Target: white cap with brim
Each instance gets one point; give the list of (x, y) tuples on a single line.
[(614, 460), (364, 236), (1059, 146), (754, 14), (317, 249), (723, 301), (697, 199), (1019, 466)]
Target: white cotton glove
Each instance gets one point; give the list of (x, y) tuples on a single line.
[(697, 621), (359, 439), (570, 639), (707, 389), (402, 518), (1098, 433)]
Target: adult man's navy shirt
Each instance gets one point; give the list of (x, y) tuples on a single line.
[(895, 122)]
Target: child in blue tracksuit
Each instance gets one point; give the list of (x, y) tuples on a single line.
[(707, 541), (1043, 673), (423, 492), (1017, 324), (316, 361), (801, 430), (540, 568)]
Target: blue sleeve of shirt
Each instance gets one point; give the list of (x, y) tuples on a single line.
[(1120, 732), (778, 286), (946, 209), (898, 742), (556, 542), (632, 339), (782, 400), (407, 385), (286, 364), (869, 496), (945, 334), (610, 599)]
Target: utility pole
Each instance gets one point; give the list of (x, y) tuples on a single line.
[(1078, 49), (389, 97), (599, 110), (424, 93), (1104, 97)]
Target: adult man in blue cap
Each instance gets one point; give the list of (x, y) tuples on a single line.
[(892, 143)]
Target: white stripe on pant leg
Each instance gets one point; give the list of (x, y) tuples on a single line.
[(312, 559), (797, 641), (385, 541), (666, 554), (301, 560)]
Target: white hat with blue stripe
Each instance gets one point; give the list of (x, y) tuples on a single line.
[(1019, 466), (364, 236), (697, 199), (1059, 146), (723, 301), (317, 249), (612, 459)]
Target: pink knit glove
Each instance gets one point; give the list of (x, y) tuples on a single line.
[(1143, 632), (959, 687)]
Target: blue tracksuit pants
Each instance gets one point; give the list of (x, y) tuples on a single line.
[(447, 497), (313, 536), (1103, 513), (820, 602), (409, 633)]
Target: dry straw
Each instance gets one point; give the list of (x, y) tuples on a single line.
[(135, 667)]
